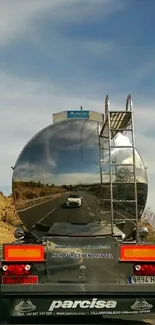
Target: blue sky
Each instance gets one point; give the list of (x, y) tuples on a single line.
[(61, 54)]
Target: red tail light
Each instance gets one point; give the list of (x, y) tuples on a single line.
[(18, 274), (17, 269), (144, 269), (32, 279)]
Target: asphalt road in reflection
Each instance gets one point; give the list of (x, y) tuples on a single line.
[(55, 210)]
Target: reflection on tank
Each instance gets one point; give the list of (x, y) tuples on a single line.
[(62, 160)]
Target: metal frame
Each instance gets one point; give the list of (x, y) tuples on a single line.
[(114, 122)]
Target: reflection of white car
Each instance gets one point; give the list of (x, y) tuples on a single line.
[(74, 200)]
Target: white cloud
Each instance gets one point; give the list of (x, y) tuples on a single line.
[(19, 17)]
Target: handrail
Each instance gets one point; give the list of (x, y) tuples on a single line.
[(129, 104), (107, 104)]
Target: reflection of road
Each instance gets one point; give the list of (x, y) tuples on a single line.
[(56, 211), (53, 211)]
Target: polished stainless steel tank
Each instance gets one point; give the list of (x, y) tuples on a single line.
[(61, 164)]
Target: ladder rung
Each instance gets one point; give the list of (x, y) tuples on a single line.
[(102, 199), (122, 164), (126, 219), (125, 130), (108, 211), (124, 201), (123, 183), (134, 201), (120, 112), (113, 147), (123, 147), (113, 164), (114, 200), (119, 222)]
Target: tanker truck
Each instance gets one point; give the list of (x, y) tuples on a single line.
[(80, 189)]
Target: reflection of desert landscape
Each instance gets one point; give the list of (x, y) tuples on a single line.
[(121, 191), (26, 193)]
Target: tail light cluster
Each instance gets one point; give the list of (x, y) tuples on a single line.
[(144, 269), (17, 261), (18, 274), (17, 269)]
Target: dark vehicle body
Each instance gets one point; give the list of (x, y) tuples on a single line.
[(93, 283), (92, 260)]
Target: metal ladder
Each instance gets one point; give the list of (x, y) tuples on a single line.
[(117, 122)]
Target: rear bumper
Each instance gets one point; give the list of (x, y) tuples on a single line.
[(48, 300), (80, 289), (75, 205)]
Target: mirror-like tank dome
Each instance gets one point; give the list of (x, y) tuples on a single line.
[(57, 179)]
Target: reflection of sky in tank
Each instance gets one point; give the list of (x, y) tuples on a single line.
[(65, 149)]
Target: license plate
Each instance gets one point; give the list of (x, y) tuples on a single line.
[(32, 279), (141, 279)]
